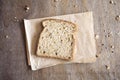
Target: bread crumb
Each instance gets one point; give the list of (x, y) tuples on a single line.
[(102, 44), (104, 31), (56, 0), (97, 55), (117, 17), (112, 46), (55, 6), (96, 36), (112, 51), (111, 2), (109, 34), (107, 67), (6, 36), (118, 33), (15, 19), (27, 8), (75, 6)]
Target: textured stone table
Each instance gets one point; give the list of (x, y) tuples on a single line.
[(13, 59)]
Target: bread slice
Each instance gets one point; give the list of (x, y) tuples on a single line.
[(57, 39)]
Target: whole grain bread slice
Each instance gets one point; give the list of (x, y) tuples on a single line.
[(57, 39)]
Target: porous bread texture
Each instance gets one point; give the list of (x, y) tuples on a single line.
[(57, 39)]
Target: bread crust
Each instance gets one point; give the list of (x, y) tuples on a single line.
[(74, 40)]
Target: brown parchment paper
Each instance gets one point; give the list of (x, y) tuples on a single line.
[(85, 42)]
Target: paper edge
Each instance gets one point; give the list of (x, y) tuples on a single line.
[(93, 60), (60, 15), (28, 55)]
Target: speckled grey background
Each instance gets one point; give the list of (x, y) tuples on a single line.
[(13, 60)]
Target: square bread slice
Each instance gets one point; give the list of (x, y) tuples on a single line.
[(57, 39)]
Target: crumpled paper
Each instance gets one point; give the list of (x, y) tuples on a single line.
[(85, 42)]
